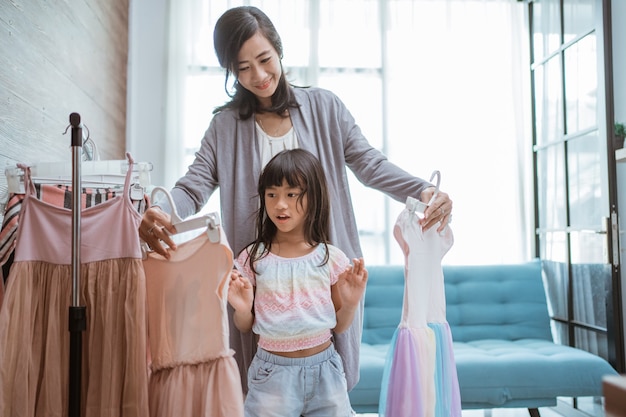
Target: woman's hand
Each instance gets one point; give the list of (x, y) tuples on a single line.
[(439, 210), (153, 230)]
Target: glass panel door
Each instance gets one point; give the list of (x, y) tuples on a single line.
[(575, 202)]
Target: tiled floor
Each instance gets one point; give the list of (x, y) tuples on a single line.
[(501, 412), (511, 412), (590, 406)]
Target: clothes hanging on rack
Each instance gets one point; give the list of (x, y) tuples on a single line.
[(193, 370), (420, 379), (58, 195), (7, 237), (34, 338)]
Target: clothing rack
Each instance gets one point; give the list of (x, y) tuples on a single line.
[(77, 313), (97, 173)]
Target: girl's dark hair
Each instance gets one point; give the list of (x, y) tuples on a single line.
[(232, 30), (302, 169)]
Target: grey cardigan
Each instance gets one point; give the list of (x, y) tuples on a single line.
[(229, 158)]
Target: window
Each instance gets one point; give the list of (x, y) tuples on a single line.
[(436, 85)]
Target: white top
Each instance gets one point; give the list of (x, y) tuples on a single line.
[(293, 307), (270, 145)]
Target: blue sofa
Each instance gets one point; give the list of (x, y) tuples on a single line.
[(503, 345)]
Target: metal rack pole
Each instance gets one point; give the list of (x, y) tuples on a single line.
[(77, 313)]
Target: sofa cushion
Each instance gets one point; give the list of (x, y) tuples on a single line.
[(496, 302), (495, 372), (365, 395), (383, 303)]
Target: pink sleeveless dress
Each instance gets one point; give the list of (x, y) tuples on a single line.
[(34, 335), (420, 379), (194, 372)]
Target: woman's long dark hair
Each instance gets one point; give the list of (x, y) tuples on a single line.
[(302, 169), (232, 30)]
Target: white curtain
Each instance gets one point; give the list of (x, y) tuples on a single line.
[(176, 80), (465, 112), (448, 80)]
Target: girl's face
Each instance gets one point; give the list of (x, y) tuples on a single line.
[(285, 208), (258, 68)]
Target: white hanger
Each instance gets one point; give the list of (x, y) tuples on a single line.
[(211, 220), (415, 205), (98, 173)]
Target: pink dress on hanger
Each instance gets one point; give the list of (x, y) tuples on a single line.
[(34, 335), (420, 377), (194, 372), (58, 195)]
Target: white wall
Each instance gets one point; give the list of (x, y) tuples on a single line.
[(147, 67)]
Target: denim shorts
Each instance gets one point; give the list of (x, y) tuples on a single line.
[(314, 386)]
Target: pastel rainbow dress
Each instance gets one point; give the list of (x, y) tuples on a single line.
[(420, 378)]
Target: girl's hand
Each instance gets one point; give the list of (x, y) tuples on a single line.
[(241, 298), (347, 294), (351, 283), (240, 292)]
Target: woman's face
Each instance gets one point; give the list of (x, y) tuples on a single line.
[(258, 68)]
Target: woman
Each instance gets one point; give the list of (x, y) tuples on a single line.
[(266, 115)]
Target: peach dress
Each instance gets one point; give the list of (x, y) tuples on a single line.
[(34, 335), (194, 372)]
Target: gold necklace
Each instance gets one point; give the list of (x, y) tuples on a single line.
[(275, 134)]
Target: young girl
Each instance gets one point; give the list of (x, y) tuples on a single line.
[(292, 289)]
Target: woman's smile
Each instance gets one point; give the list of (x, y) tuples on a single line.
[(265, 85)]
